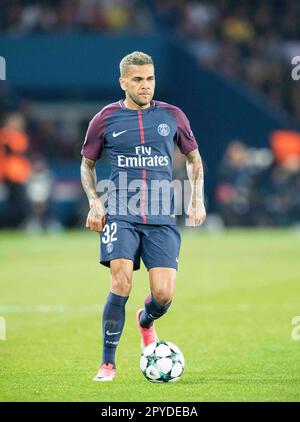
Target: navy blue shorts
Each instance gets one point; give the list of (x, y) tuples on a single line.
[(157, 245)]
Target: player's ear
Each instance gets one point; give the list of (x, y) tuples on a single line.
[(122, 83)]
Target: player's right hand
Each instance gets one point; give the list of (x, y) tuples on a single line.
[(196, 213), (96, 217)]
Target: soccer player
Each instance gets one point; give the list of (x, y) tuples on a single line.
[(139, 135)]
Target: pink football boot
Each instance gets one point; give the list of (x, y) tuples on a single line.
[(148, 334), (106, 372)]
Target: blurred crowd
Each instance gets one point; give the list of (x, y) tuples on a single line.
[(36, 16), (30, 197), (252, 41), (261, 187)]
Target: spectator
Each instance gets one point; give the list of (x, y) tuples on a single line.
[(234, 191), (15, 168), (280, 193), (39, 189)]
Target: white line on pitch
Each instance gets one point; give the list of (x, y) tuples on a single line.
[(94, 308)]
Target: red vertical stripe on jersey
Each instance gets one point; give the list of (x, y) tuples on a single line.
[(144, 173)]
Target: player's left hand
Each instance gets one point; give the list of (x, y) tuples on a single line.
[(196, 213)]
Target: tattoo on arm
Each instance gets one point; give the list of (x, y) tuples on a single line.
[(89, 178), (195, 174)]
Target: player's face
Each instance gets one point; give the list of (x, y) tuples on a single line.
[(139, 84)]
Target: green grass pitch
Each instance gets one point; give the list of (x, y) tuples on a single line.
[(236, 295)]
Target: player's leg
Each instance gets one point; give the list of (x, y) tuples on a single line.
[(120, 252), (162, 286), (160, 251), (113, 317)]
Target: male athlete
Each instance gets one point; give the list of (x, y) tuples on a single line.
[(139, 135)]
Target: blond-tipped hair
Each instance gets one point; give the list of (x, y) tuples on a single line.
[(134, 58)]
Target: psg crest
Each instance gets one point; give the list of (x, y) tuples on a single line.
[(109, 247), (163, 129)]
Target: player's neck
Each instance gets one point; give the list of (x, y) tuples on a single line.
[(128, 103)]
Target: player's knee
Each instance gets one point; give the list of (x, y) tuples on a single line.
[(121, 283), (163, 296), (163, 291)]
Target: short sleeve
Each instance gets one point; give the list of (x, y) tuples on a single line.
[(184, 137), (94, 138)]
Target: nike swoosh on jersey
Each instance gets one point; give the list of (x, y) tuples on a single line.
[(118, 133)]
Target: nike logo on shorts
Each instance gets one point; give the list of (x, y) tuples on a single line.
[(118, 133)]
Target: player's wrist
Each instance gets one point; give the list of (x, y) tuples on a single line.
[(94, 201), (197, 199)]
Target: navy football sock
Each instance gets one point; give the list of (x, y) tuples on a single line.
[(113, 320), (153, 310)]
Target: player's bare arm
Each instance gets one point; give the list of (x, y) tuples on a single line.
[(196, 209), (96, 217)]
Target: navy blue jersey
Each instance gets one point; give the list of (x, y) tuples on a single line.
[(140, 145)]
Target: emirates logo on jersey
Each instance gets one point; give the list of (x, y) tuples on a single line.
[(143, 158)]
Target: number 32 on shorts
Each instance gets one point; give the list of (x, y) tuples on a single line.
[(109, 233)]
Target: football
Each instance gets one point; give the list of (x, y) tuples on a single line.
[(162, 361)]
